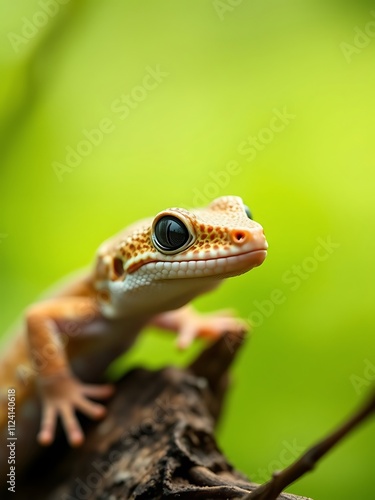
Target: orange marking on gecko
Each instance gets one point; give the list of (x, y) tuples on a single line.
[(134, 267), (99, 302)]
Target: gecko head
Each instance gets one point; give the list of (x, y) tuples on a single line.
[(181, 253)]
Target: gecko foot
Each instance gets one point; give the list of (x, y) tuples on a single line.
[(210, 326), (62, 395)]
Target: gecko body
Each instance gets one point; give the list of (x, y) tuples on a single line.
[(145, 275)]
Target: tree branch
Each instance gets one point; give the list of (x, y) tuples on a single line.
[(156, 442), (304, 464)]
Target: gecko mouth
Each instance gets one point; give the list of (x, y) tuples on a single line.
[(231, 265)]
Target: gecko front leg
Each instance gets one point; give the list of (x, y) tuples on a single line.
[(189, 324), (61, 392)]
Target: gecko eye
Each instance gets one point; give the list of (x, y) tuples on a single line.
[(247, 211), (171, 234)]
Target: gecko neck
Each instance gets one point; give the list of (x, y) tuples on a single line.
[(160, 296)]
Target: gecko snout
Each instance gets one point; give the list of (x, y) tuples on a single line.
[(242, 236)]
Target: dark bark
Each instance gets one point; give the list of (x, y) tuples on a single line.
[(156, 442)]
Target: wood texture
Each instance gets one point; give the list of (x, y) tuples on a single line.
[(156, 442)]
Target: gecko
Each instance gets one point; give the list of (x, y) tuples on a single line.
[(146, 275)]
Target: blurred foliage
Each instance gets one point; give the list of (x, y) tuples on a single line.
[(224, 72)]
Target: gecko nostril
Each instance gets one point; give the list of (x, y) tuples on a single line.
[(239, 236)]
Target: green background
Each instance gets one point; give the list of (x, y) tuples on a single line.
[(228, 69)]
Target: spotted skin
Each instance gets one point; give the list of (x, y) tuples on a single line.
[(219, 231), (69, 339)]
